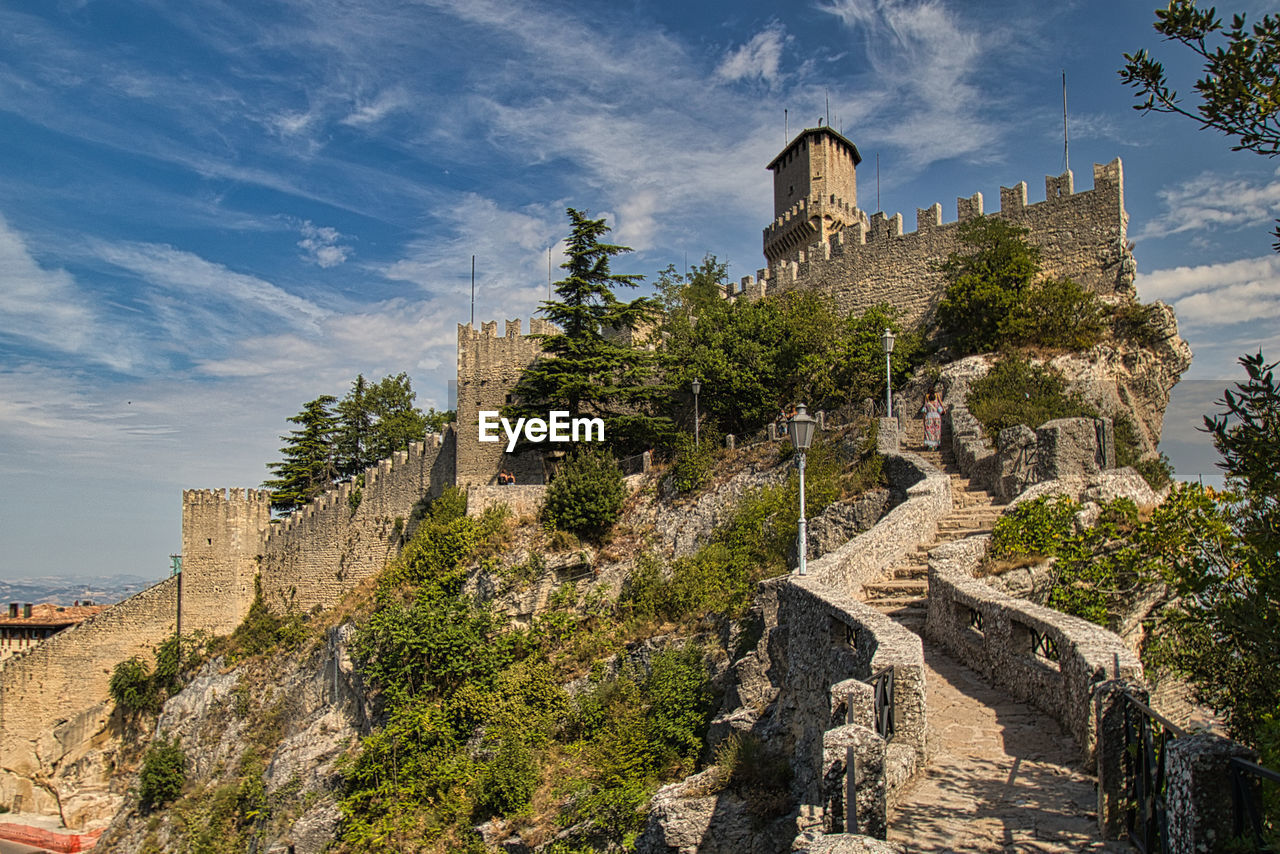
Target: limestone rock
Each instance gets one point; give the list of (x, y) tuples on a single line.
[(684, 818), (844, 520)]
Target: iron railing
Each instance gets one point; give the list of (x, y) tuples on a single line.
[(882, 683), (1044, 645), (1146, 740), (1248, 816)]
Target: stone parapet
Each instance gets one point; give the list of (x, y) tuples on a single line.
[(316, 554), (865, 558), (523, 499), (1039, 655), (1081, 235)]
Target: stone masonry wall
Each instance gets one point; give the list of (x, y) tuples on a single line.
[(222, 534), (488, 368), (995, 634), (315, 555), (54, 709), (1080, 235)]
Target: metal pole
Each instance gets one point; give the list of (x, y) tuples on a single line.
[(804, 539), (473, 292), (888, 385), (696, 441)]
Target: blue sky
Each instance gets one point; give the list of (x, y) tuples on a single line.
[(213, 212)]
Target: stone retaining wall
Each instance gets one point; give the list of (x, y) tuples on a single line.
[(865, 558), (996, 634), (523, 499)]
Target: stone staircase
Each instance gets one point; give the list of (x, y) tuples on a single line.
[(904, 590)]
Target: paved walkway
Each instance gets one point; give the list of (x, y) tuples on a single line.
[(1003, 777)]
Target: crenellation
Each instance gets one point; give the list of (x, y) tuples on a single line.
[(1013, 198), (928, 218), (870, 260), (970, 208), (1061, 186)]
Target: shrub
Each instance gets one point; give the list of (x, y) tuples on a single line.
[(986, 282), (508, 781), (164, 772), (585, 496), (131, 687), (693, 463), (1016, 391), (1055, 313), (1033, 528)]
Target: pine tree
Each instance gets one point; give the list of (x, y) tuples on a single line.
[(396, 421), (309, 466), (356, 425), (590, 367)]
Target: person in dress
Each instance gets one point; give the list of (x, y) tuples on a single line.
[(932, 411)]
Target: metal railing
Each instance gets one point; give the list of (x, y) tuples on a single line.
[(882, 683), (1146, 738), (1249, 818)]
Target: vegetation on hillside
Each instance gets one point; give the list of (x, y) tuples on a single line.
[(1019, 391), (339, 439)]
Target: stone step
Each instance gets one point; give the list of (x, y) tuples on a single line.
[(963, 526), (896, 586), (887, 603), (910, 570)]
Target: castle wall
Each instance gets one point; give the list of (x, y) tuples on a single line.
[(1080, 235), (222, 533), (54, 705), (488, 368), (319, 552)]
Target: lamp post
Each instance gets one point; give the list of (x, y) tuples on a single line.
[(887, 340), (801, 429), (697, 387)]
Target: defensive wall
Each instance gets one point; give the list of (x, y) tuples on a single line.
[(1081, 235), (489, 366), (313, 556)]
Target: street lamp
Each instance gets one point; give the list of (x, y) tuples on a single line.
[(801, 429), (697, 387), (887, 340)]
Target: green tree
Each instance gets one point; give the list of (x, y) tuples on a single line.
[(585, 496), (590, 366), (986, 282), (354, 430), (1226, 635), (994, 300), (310, 464), (396, 421), (1240, 90)]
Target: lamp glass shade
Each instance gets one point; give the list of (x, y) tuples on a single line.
[(697, 386), (802, 426), (887, 340)]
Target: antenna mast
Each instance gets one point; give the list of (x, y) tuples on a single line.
[(786, 130), (878, 208), (473, 292), (1066, 158)]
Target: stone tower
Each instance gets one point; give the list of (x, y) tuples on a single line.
[(815, 192)]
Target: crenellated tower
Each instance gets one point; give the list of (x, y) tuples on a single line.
[(815, 192)]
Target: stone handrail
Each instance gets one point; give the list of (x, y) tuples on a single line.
[(865, 558), (1040, 656)]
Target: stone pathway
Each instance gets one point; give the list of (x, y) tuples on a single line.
[(1003, 776)]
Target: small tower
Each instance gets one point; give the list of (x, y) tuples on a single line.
[(815, 192)]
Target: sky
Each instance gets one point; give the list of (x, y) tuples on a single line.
[(214, 211)]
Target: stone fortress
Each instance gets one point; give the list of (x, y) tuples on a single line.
[(54, 706)]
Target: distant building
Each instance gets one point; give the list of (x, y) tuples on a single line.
[(27, 625)]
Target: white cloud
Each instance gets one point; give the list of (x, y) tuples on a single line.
[(45, 307), (1210, 201), (759, 57), (321, 245), (371, 112), (1223, 310), (921, 86), (200, 281)]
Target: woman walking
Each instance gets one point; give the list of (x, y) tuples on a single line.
[(932, 410)]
